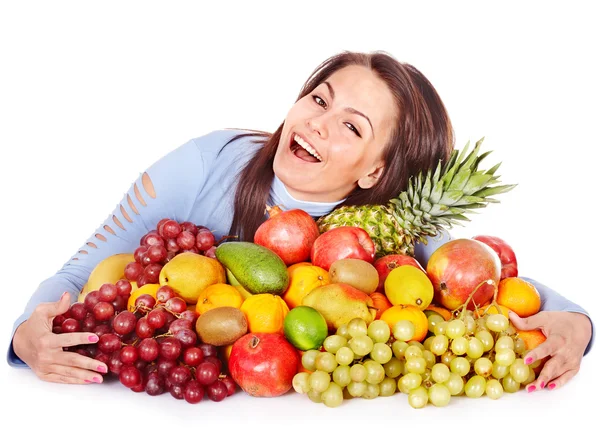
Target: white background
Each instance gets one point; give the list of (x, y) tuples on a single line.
[(93, 93)]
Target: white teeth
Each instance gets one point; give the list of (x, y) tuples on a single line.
[(310, 149)]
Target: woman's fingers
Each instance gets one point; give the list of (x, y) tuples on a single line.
[(548, 348), (533, 322), (552, 369), (75, 360), (66, 340), (75, 374), (562, 379)]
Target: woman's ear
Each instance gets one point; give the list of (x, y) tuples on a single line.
[(372, 178)]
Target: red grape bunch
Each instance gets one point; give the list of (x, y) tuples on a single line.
[(160, 245), (154, 349)]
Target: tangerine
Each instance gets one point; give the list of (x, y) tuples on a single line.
[(519, 296), (218, 295), (380, 303), (410, 313), (304, 278), (265, 313)]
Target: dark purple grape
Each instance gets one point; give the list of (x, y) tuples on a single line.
[(193, 392), (216, 391), (143, 329), (91, 299), (58, 320), (206, 373), (114, 363), (171, 229), (78, 311), (216, 361), (155, 385), (109, 343), (133, 271), (189, 226), (107, 292), (189, 315), (139, 251), (123, 287), (193, 356), (152, 272), (176, 305), (148, 349), (120, 304), (164, 293), (165, 366), (170, 348), (179, 375), (157, 318), (130, 376), (205, 239), (180, 324), (70, 325), (89, 322), (186, 240), (208, 350), (156, 253), (140, 365), (159, 226), (124, 323), (103, 311), (129, 354), (176, 391), (187, 337), (230, 384), (102, 329)]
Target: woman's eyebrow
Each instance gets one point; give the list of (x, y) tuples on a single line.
[(349, 109)]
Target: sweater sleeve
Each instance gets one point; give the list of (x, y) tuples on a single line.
[(551, 300), (168, 188)]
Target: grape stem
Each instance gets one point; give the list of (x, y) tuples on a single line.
[(463, 308), (224, 238)]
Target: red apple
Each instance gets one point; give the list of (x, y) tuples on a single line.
[(505, 252), (386, 264), (290, 234), (263, 364), (344, 242), (458, 267)]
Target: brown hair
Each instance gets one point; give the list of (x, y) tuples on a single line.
[(423, 135)]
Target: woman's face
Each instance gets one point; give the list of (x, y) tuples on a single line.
[(345, 123)]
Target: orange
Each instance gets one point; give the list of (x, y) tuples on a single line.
[(410, 313), (491, 309), (217, 295), (304, 278), (445, 313), (265, 313), (380, 302), (519, 296), (150, 289), (532, 338)]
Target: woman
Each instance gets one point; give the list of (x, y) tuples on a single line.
[(362, 125)]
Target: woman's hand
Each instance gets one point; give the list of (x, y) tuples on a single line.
[(42, 350), (567, 336)]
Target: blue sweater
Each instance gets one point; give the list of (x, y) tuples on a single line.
[(195, 183)]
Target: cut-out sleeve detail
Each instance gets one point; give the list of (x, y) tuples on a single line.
[(125, 214), (100, 237), (118, 222), (82, 252), (148, 186), (91, 244), (133, 208), (109, 229), (74, 258), (138, 195)]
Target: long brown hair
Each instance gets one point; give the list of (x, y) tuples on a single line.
[(423, 135)]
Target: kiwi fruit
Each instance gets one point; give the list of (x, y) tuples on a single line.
[(221, 326)]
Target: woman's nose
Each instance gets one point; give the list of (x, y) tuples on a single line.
[(317, 125)]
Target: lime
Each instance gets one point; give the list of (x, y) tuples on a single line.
[(305, 328)]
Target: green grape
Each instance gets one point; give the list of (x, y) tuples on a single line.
[(475, 348), (475, 387), (535, 364), (440, 373), (343, 331), (470, 324), (375, 372), (358, 373), (459, 345), (505, 356), (319, 381), (427, 343), (361, 345), (326, 362), (379, 331), (455, 328), (314, 396), (334, 342), (300, 383), (460, 366), (486, 338), (480, 323), (371, 392), (511, 330), (417, 344), (357, 327), (440, 328), (344, 356), (510, 384), (447, 357), (398, 348), (413, 351), (381, 353), (433, 320), (332, 396), (404, 330), (519, 370), (341, 376), (520, 347), (530, 378), (493, 389), (499, 370), (439, 395), (455, 384), (393, 368), (409, 382), (309, 358), (429, 358), (439, 344), (357, 389), (504, 342), (497, 323), (469, 313), (415, 365), (387, 387), (483, 367), (418, 398)]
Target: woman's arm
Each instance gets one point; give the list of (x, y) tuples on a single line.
[(168, 188)]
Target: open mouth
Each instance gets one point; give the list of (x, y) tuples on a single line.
[(303, 150)]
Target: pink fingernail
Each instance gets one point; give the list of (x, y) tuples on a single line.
[(93, 338), (87, 381), (97, 379), (531, 388), (101, 369), (552, 386), (529, 360), (542, 385)]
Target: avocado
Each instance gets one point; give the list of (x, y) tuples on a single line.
[(256, 268)]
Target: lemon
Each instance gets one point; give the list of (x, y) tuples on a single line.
[(305, 328), (409, 286)]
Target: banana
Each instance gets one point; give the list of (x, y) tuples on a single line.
[(109, 270)]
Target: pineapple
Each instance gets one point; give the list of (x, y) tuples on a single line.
[(439, 199)]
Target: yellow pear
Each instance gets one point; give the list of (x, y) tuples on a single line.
[(188, 274)]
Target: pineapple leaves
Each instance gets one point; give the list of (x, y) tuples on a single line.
[(489, 191)]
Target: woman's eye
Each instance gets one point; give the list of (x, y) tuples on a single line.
[(351, 127), (317, 98)]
